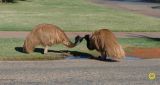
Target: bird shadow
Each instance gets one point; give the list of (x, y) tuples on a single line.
[(75, 54), (37, 50), (19, 49)]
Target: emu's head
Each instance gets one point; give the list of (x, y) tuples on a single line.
[(86, 37), (78, 39), (27, 47)]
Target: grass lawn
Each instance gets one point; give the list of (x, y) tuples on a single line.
[(9, 48), (71, 15)]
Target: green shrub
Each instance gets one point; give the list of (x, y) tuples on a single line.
[(10, 1), (7, 1), (155, 1)]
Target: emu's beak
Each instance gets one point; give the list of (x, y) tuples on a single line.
[(81, 39)]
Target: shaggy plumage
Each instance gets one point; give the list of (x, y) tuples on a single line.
[(105, 42), (47, 35)]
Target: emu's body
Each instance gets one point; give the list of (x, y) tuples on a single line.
[(105, 42), (46, 35)]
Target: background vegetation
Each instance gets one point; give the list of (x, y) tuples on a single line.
[(71, 15)]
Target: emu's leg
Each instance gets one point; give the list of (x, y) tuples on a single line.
[(46, 50), (103, 56)]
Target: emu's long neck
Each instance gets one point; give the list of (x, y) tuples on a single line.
[(70, 44), (89, 46)]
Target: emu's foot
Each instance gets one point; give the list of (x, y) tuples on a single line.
[(102, 58), (45, 52), (112, 60)]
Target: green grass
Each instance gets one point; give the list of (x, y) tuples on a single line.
[(71, 15), (8, 46)]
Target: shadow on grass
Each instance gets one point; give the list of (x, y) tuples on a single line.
[(19, 49), (37, 50), (75, 54), (144, 36)]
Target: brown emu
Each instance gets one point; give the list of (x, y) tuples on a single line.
[(105, 42), (47, 35)]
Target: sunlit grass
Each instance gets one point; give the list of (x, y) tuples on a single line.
[(72, 15)]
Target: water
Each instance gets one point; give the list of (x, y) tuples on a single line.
[(131, 58), (88, 57), (77, 57)]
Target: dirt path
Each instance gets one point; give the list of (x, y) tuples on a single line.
[(23, 34), (149, 9)]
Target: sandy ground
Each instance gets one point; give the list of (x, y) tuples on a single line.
[(144, 53), (148, 9), (23, 34), (79, 72)]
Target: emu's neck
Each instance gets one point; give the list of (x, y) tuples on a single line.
[(68, 43), (78, 40), (89, 46)]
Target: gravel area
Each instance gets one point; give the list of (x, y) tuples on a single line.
[(79, 72)]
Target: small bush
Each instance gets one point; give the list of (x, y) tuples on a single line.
[(155, 1), (7, 1), (10, 1)]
